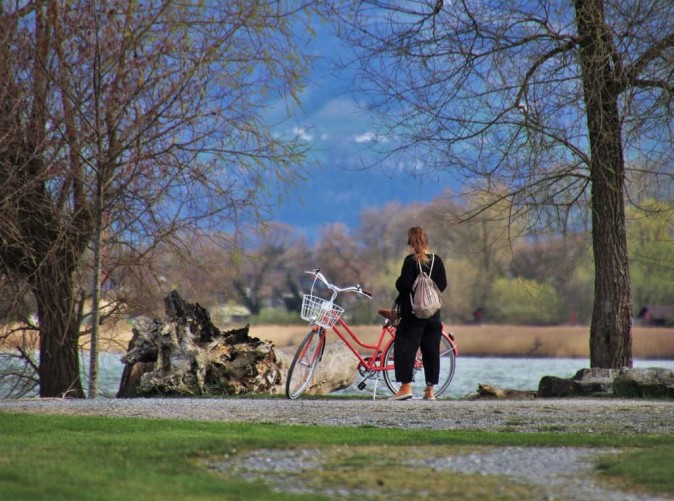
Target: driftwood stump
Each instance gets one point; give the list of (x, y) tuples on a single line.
[(186, 355), (487, 391)]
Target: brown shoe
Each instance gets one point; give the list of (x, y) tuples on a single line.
[(404, 396), (429, 394)]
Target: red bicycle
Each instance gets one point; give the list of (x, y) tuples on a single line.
[(323, 314)]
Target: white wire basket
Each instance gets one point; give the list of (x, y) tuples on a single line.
[(321, 311)]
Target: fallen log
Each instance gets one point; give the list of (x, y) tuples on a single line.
[(184, 354), (486, 391)]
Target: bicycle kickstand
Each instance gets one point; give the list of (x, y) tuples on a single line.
[(374, 392), (363, 384)]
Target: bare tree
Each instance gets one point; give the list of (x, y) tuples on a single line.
[(383, 231), (149, 113), (340, 256), (270, 267), (547, 98)]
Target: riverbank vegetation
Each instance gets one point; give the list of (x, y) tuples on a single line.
[(86, 458), (497, 278), (564, 341), (507, 340)]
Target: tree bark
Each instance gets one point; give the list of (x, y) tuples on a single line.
[(610, 331), (59, 332)]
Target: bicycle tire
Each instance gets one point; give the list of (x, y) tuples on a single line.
[(447, 368), (304, 363)]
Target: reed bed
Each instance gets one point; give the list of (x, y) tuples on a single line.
[(473, 340), (505, 340)]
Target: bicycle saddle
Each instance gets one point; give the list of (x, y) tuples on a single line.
[(388, 313)]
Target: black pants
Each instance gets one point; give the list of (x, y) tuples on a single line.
[(411, 335)]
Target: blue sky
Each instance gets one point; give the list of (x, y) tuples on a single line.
[(341, 180)]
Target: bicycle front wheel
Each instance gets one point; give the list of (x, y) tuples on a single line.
[(305, 362), (447, 368)]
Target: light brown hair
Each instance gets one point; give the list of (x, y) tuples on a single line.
[(417, 239)]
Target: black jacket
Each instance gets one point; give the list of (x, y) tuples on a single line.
[(408, 275)]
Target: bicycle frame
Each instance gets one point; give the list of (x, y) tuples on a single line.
[(373, 362)]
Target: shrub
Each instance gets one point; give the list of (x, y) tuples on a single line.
[(275, 316), (524, 302)]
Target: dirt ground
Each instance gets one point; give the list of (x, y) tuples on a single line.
[(472, 340)]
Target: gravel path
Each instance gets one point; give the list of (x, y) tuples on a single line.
[(576, 415), (562, 473)]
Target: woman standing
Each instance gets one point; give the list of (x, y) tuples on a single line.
[(417, 333)]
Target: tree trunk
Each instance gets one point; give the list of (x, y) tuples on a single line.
[(610, 332), (59, 332), (96, 291)]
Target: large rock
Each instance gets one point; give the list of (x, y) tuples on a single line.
[(585, 383), (653, 382), (650, 382)]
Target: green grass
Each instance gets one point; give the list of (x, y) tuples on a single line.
[(92, 458), (649, 468)]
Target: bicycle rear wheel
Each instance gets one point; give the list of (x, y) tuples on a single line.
[(304, 363), (447, 368)]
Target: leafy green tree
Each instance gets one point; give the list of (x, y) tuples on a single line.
[(580, 292), (524, 302), (650, 231), (462, 298), (554, 261), (487, 235)]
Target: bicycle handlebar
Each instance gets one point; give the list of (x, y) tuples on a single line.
[(352, 288)]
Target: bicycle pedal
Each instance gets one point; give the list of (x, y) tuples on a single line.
[(361, 385)]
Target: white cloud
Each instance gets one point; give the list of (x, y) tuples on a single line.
[(302, 133), (368, 137)]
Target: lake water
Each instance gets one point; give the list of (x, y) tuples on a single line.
[(513, 373)]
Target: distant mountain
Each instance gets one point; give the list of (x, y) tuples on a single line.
[(340, 131), (333, 194)]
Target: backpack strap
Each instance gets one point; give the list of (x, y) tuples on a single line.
[(421, 270), (432, 263)]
